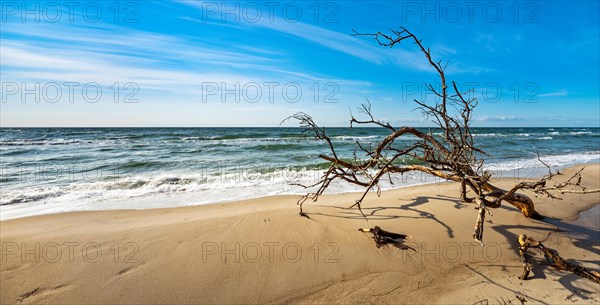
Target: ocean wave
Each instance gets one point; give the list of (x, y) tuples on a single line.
[(40, 194), (199, 138), (236, 184), (33, 142), (277, 147), (243, 182), (201, 166), (552, 160), (356, 138), (486, 135)]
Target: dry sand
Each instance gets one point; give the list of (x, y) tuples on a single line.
[(261, 251)]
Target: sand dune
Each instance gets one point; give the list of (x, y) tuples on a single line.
[(261, 251)]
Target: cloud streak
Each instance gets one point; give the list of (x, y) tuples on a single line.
[(499, 118), (561, 92), (153, 61)]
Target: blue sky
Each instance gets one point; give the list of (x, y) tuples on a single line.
[(216, 63)]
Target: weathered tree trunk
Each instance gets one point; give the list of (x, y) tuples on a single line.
[(450, 154), (520, 201), (553, 259)]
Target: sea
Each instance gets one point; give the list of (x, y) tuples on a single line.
[(53, 170)]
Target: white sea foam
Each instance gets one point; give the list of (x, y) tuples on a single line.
[(356, 138), (553, 161), (177, 189), (31, 142)]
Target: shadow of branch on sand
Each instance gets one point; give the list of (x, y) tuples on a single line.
[(586, 238), (387, 212), (491, 281), (581, 237)]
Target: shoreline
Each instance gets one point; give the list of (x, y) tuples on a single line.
[(262, 251), (152, 200), (587, 216)]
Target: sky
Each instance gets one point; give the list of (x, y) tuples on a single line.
[(253, 63)]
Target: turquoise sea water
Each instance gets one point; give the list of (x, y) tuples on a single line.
[(46, 170)]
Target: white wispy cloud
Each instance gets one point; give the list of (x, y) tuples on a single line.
[(343, 42), (34, 63), (491, 42), (106, 54), (105, 39), (561, 92), (169, 71), (499, 118)]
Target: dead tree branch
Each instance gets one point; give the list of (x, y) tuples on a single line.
[(451, 154), (384, 238), (553, 259)]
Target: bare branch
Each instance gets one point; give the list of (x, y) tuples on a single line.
[(450, 153), (553, 259)]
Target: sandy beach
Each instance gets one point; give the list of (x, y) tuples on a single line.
[(262, 251), (161, 152)]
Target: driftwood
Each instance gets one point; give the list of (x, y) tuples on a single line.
[(384, 238), (553, 259), (451, 155)]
